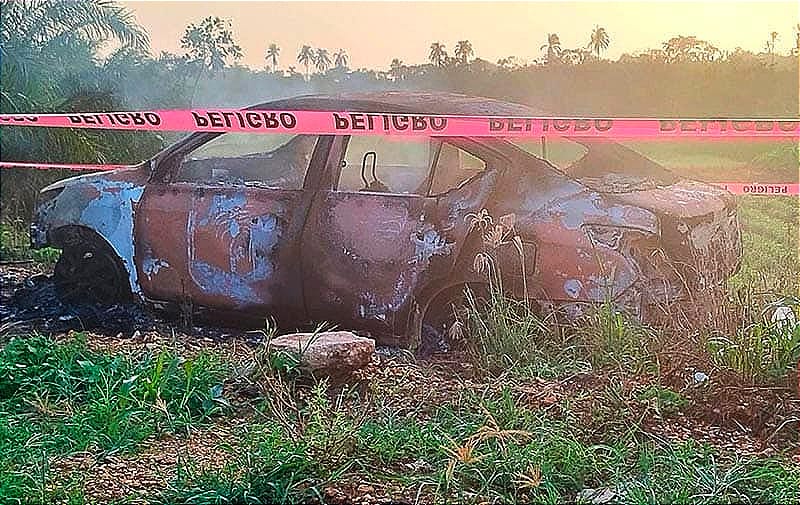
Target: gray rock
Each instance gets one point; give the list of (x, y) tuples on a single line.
[(329, 353), (596, 496)]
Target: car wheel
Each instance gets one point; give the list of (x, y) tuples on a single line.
[(439, 329), (91, 272)]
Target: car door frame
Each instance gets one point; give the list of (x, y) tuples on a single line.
[(166, 165), (478, 189)]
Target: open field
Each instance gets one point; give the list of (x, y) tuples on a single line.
[(603, 410)]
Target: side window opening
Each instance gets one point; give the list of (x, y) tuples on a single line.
[(387, 164), (276, 161), (454, 168)]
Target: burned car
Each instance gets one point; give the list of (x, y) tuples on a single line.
[(377, 233)]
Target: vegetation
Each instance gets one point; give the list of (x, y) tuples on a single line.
[(249, 431), (526, 408)]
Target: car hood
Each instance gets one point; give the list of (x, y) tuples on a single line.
[(118, 173), (685, 199)]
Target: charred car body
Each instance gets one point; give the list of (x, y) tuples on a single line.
[(374, 232)]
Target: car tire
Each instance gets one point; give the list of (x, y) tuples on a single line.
[(90, 271), (441, 313)]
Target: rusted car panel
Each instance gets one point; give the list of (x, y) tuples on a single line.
[(298, 245), (103, 203), (227, 248)]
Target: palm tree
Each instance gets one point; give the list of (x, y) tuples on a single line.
[(508, 62), (599, 40), (463, 51), (397, 69), (340, 58), (44, 45), (273, 51), (796, 50), (553, 47), (770, 47), (322, 60), (305, 57), (438, 54)]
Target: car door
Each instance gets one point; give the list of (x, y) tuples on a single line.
[(377, 232), (223, 227)]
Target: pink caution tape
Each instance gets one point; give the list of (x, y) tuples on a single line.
[(360, 123), (737, 188)]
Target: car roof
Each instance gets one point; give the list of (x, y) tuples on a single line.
[(418, 102)]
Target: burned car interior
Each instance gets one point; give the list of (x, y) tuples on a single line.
[(278, 161)]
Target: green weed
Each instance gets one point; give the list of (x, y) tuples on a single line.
[(15, 246), (615, 339), (58, 398), (761, 352)]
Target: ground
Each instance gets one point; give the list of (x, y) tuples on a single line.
[(143, 408)]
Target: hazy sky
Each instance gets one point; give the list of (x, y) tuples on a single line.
[(373, 33)]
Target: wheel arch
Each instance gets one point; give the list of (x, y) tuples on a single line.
[(74, 235)]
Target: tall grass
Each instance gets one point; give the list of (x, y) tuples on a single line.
[(762, 351)]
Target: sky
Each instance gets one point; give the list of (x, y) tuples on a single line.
[(373, 33)]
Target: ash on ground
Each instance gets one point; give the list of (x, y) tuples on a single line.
[(30, 301)]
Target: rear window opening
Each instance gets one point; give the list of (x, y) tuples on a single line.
[(560, 152), (601, 164)]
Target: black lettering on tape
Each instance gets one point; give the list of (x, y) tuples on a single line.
[(253, 119), (603, 125), (741, 126), (582, 125), (400, 122), (496, 125), (438, 123), (215, 118), (339, 122), (199, 120), (667, 125), (288, 120), (561, 124), (271, 120), (764, 126), (357, 122)]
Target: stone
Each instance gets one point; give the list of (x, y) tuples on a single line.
[(329, 352), (596, 496)]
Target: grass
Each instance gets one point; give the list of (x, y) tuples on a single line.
[(770, 231), (725, 160), (58, 399), (15, 246), (762, 352), (468, 454)]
